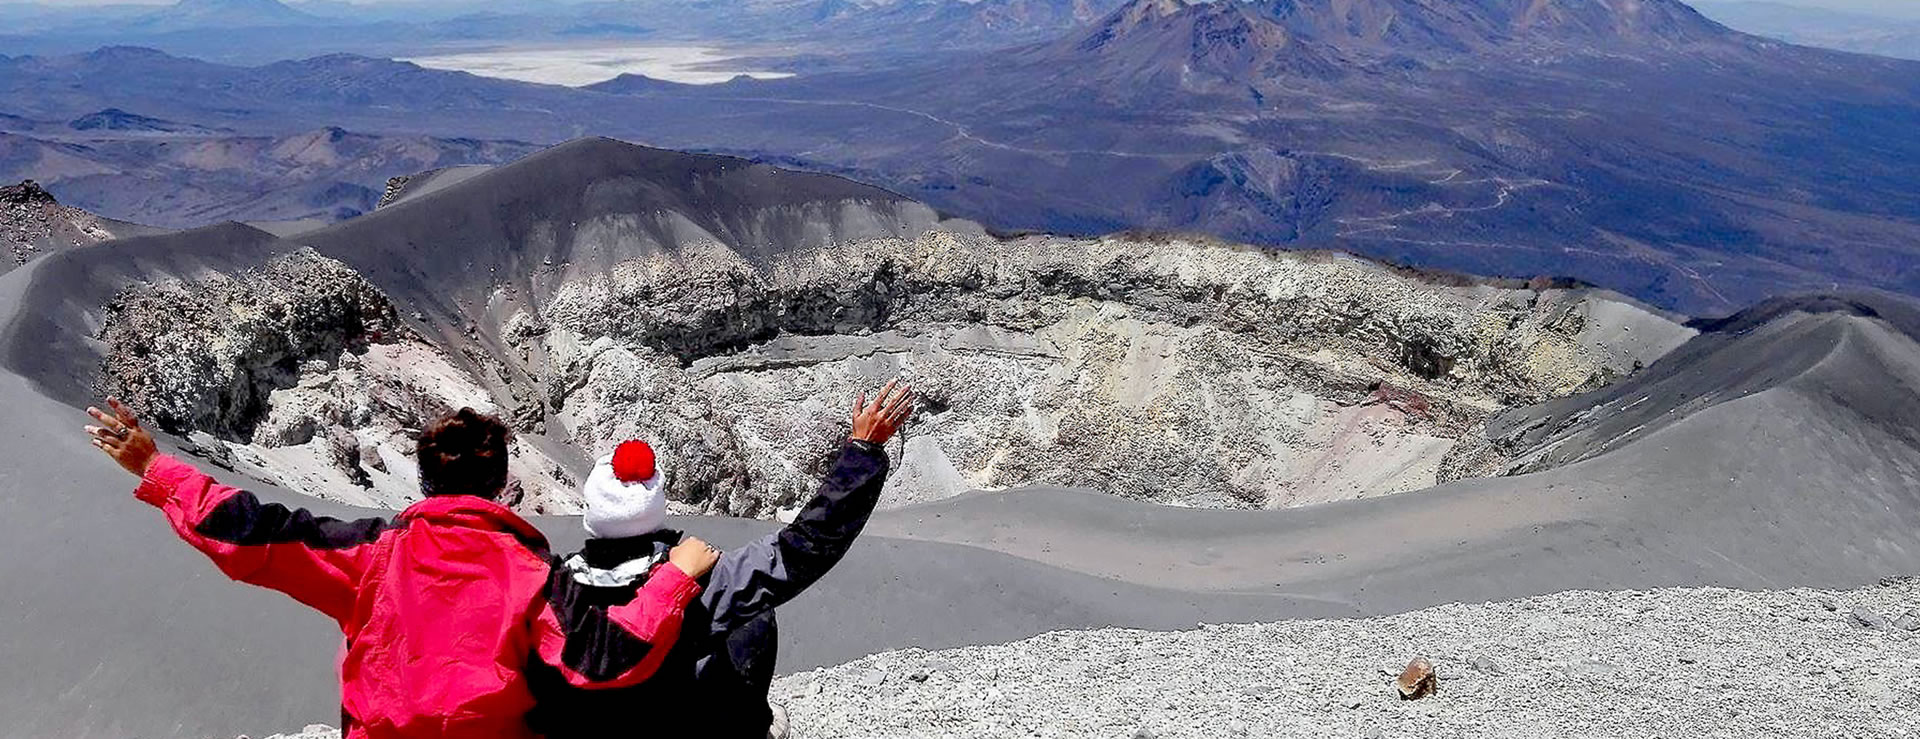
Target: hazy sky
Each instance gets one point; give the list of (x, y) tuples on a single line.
[(1902, 8), (1887, 5)]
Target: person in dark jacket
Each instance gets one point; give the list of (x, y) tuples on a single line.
[(716, 678), (438, 605)]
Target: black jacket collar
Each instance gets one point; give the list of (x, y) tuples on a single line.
[(609, 553)]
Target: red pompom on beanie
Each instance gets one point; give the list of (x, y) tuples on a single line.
[(633, 462)]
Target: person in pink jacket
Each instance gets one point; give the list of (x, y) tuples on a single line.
[(442, 606)]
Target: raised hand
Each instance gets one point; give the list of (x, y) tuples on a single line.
[(878, 421), (693, 556), (122, 438)]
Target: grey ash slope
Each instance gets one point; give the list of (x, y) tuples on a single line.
[(565, 191), (473, 252), (115, 629), (1741, 355), (1799, 467)]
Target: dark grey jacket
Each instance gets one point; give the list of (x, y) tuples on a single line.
[(715, 679)]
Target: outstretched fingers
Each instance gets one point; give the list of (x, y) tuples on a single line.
[(110, 422), (123, 413), (880, 401), (899, 400), (118, 434), (876, 421), (110, 427), (901, 408)]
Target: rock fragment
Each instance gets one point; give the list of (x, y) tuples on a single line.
[(1417, 680), (1867, 618)]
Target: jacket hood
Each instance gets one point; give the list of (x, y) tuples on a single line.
[(472, 512)]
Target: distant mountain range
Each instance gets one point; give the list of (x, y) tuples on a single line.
[(277, 31), (288, 30), (1630, 143), (223, 14), (1635, 144), (130, 166)]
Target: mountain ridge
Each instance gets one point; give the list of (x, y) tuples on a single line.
[(1585, 157), (1172, 42), (224, 14)]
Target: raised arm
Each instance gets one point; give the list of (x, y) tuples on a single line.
[(317, 560), (762, 575)]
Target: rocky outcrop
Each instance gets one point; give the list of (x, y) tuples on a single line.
[(27, 192), (299, 372), (33, 223), (394, 186), (1190, 373), (205, 354), (1182, 372)]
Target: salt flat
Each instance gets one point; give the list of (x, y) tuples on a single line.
[(576, 66)]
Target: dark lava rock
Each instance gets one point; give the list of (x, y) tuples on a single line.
[(25, 193)]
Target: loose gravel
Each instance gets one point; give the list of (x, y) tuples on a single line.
[(1664, 663)]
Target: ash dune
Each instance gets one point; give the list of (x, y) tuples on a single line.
[(524, 279)]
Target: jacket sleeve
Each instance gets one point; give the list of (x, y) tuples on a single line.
[(599, 647), (760, 576), (318, 561)]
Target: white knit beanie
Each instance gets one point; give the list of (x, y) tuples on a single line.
[(624, 493)]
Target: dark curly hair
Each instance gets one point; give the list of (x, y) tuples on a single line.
[(464, 454)]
